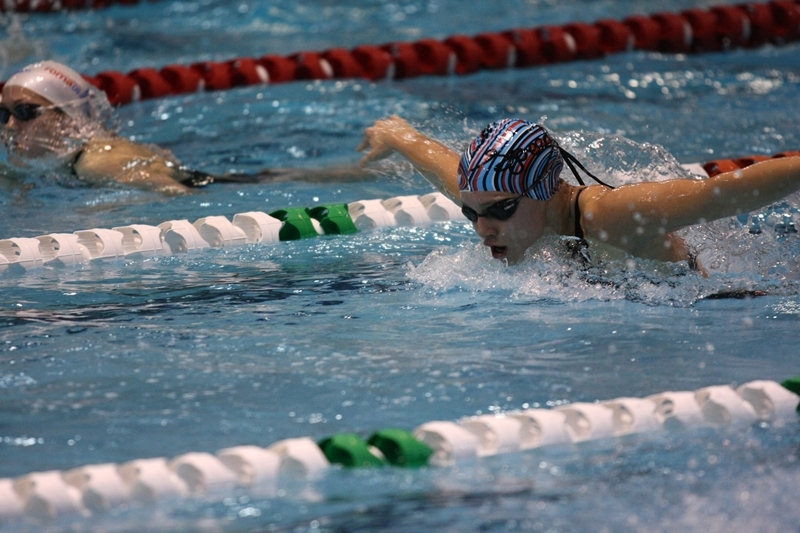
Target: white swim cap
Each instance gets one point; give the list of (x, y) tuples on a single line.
[(61, 85), (86, 105)]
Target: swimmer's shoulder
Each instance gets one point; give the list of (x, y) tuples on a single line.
[(102, 159), (590, 202), (115, 148), (109, 160), (600, 209)]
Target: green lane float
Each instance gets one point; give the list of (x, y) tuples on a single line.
[(350, 450), (334, 219), (401, 448)]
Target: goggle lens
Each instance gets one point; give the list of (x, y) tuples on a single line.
[(21, 112), (502, 210)]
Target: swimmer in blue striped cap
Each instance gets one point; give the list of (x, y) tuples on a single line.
[(508, 184)]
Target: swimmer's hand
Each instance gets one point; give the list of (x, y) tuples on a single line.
[(337, 173), (384, 137), (435, 161)]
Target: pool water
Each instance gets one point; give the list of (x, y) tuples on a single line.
[(148, 357)]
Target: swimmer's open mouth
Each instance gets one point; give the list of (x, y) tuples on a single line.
[(499, 252)]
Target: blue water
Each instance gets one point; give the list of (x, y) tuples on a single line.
[(156, 357)]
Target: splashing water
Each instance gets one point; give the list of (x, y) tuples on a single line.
[(16, 46), (551, 272), (764, 243), (49, 142), (621, 161)]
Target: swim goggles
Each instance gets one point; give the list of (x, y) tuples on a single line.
[(21, 112), (502, 210)]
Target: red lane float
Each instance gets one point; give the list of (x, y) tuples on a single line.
[(720, 166), (692, 30), (586, 38), (704, 26), (615, 37), (435, 57), (469, 55), (375, 62), (498, 50), (762, 23), (558, 45)]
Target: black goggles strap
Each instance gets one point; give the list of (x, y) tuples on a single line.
[(572, 161)]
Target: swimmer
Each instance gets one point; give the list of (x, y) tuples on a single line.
[(53, 119), (508, 185)]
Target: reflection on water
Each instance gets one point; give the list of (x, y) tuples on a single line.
[(108, 362)]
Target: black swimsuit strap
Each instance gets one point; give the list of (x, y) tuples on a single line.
[(577, 210), (195, 178), (75, 162)]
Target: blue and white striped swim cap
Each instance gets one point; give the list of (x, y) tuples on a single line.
[(512, 155)]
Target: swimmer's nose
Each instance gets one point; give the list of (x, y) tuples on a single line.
[(484, 227), (13, 123)]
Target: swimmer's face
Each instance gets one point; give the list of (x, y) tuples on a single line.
[(46, 132), (507, 239)]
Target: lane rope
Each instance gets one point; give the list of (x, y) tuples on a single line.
[(21, 254), (96, 489), (695, 30)]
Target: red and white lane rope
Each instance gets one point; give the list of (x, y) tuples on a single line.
[(690, 31)]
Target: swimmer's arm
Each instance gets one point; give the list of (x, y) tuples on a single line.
[(337, 173), (435, 161), (643, 212), (117, 160), (751, 188)]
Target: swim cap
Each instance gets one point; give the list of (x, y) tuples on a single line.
[(87, 107), (512, 155), (61, 85)]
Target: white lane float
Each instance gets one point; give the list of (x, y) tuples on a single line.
[(94, 489), (182, 236)]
